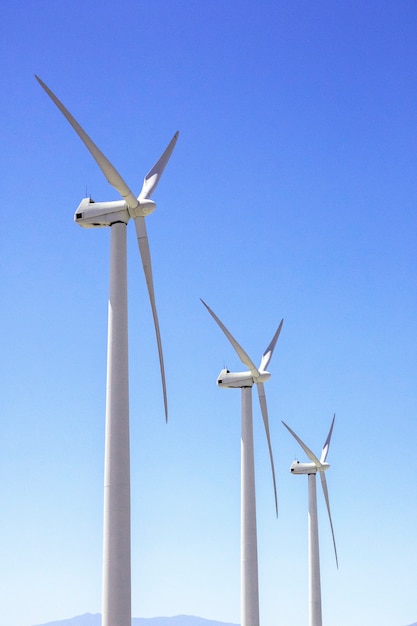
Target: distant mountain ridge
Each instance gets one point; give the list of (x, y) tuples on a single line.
[(90, 619)]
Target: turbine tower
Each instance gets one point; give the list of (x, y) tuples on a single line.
[(89, 214), (249, 548), (311, 469)]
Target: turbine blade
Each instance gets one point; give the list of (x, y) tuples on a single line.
[(326, 445), (109, 171), (152, 177), (306, 449), (326, 497), (267, 355), (143, 243), (264, 411), (243, 356)]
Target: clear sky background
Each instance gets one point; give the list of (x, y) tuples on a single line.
[(291, 193)]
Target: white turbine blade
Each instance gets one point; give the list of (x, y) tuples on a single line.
[(152, 177), (326, 445), (306, 449), (267, 355), (104, 164), (326, 497), (147, 268), (243, 356), (264, 411)]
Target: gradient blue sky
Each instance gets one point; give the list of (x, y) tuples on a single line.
[(291, 193)]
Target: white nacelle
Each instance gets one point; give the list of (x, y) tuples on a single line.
[(240, 379), (307, 468), (90, 214)]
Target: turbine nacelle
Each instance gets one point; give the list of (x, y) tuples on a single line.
[(237, 380), (307, 468), (90, 214)]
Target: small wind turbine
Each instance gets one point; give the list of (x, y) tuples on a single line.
[(90, 214), (311, 469), (249, 548)]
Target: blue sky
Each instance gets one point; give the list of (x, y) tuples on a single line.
[(291, 193)]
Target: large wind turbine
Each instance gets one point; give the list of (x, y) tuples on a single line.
[(311, 469), (249, 548), (116, 532)]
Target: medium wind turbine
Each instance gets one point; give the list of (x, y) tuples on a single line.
[(90, 214), (311, 469), (249, 548)]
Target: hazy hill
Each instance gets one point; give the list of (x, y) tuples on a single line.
[(179, 620)]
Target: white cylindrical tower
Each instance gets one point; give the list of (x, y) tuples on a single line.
[(313, 554), (249, 549), (116, 532)]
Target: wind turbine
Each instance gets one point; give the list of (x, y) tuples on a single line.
[(116, 214), (311, 469), (249, 548)]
